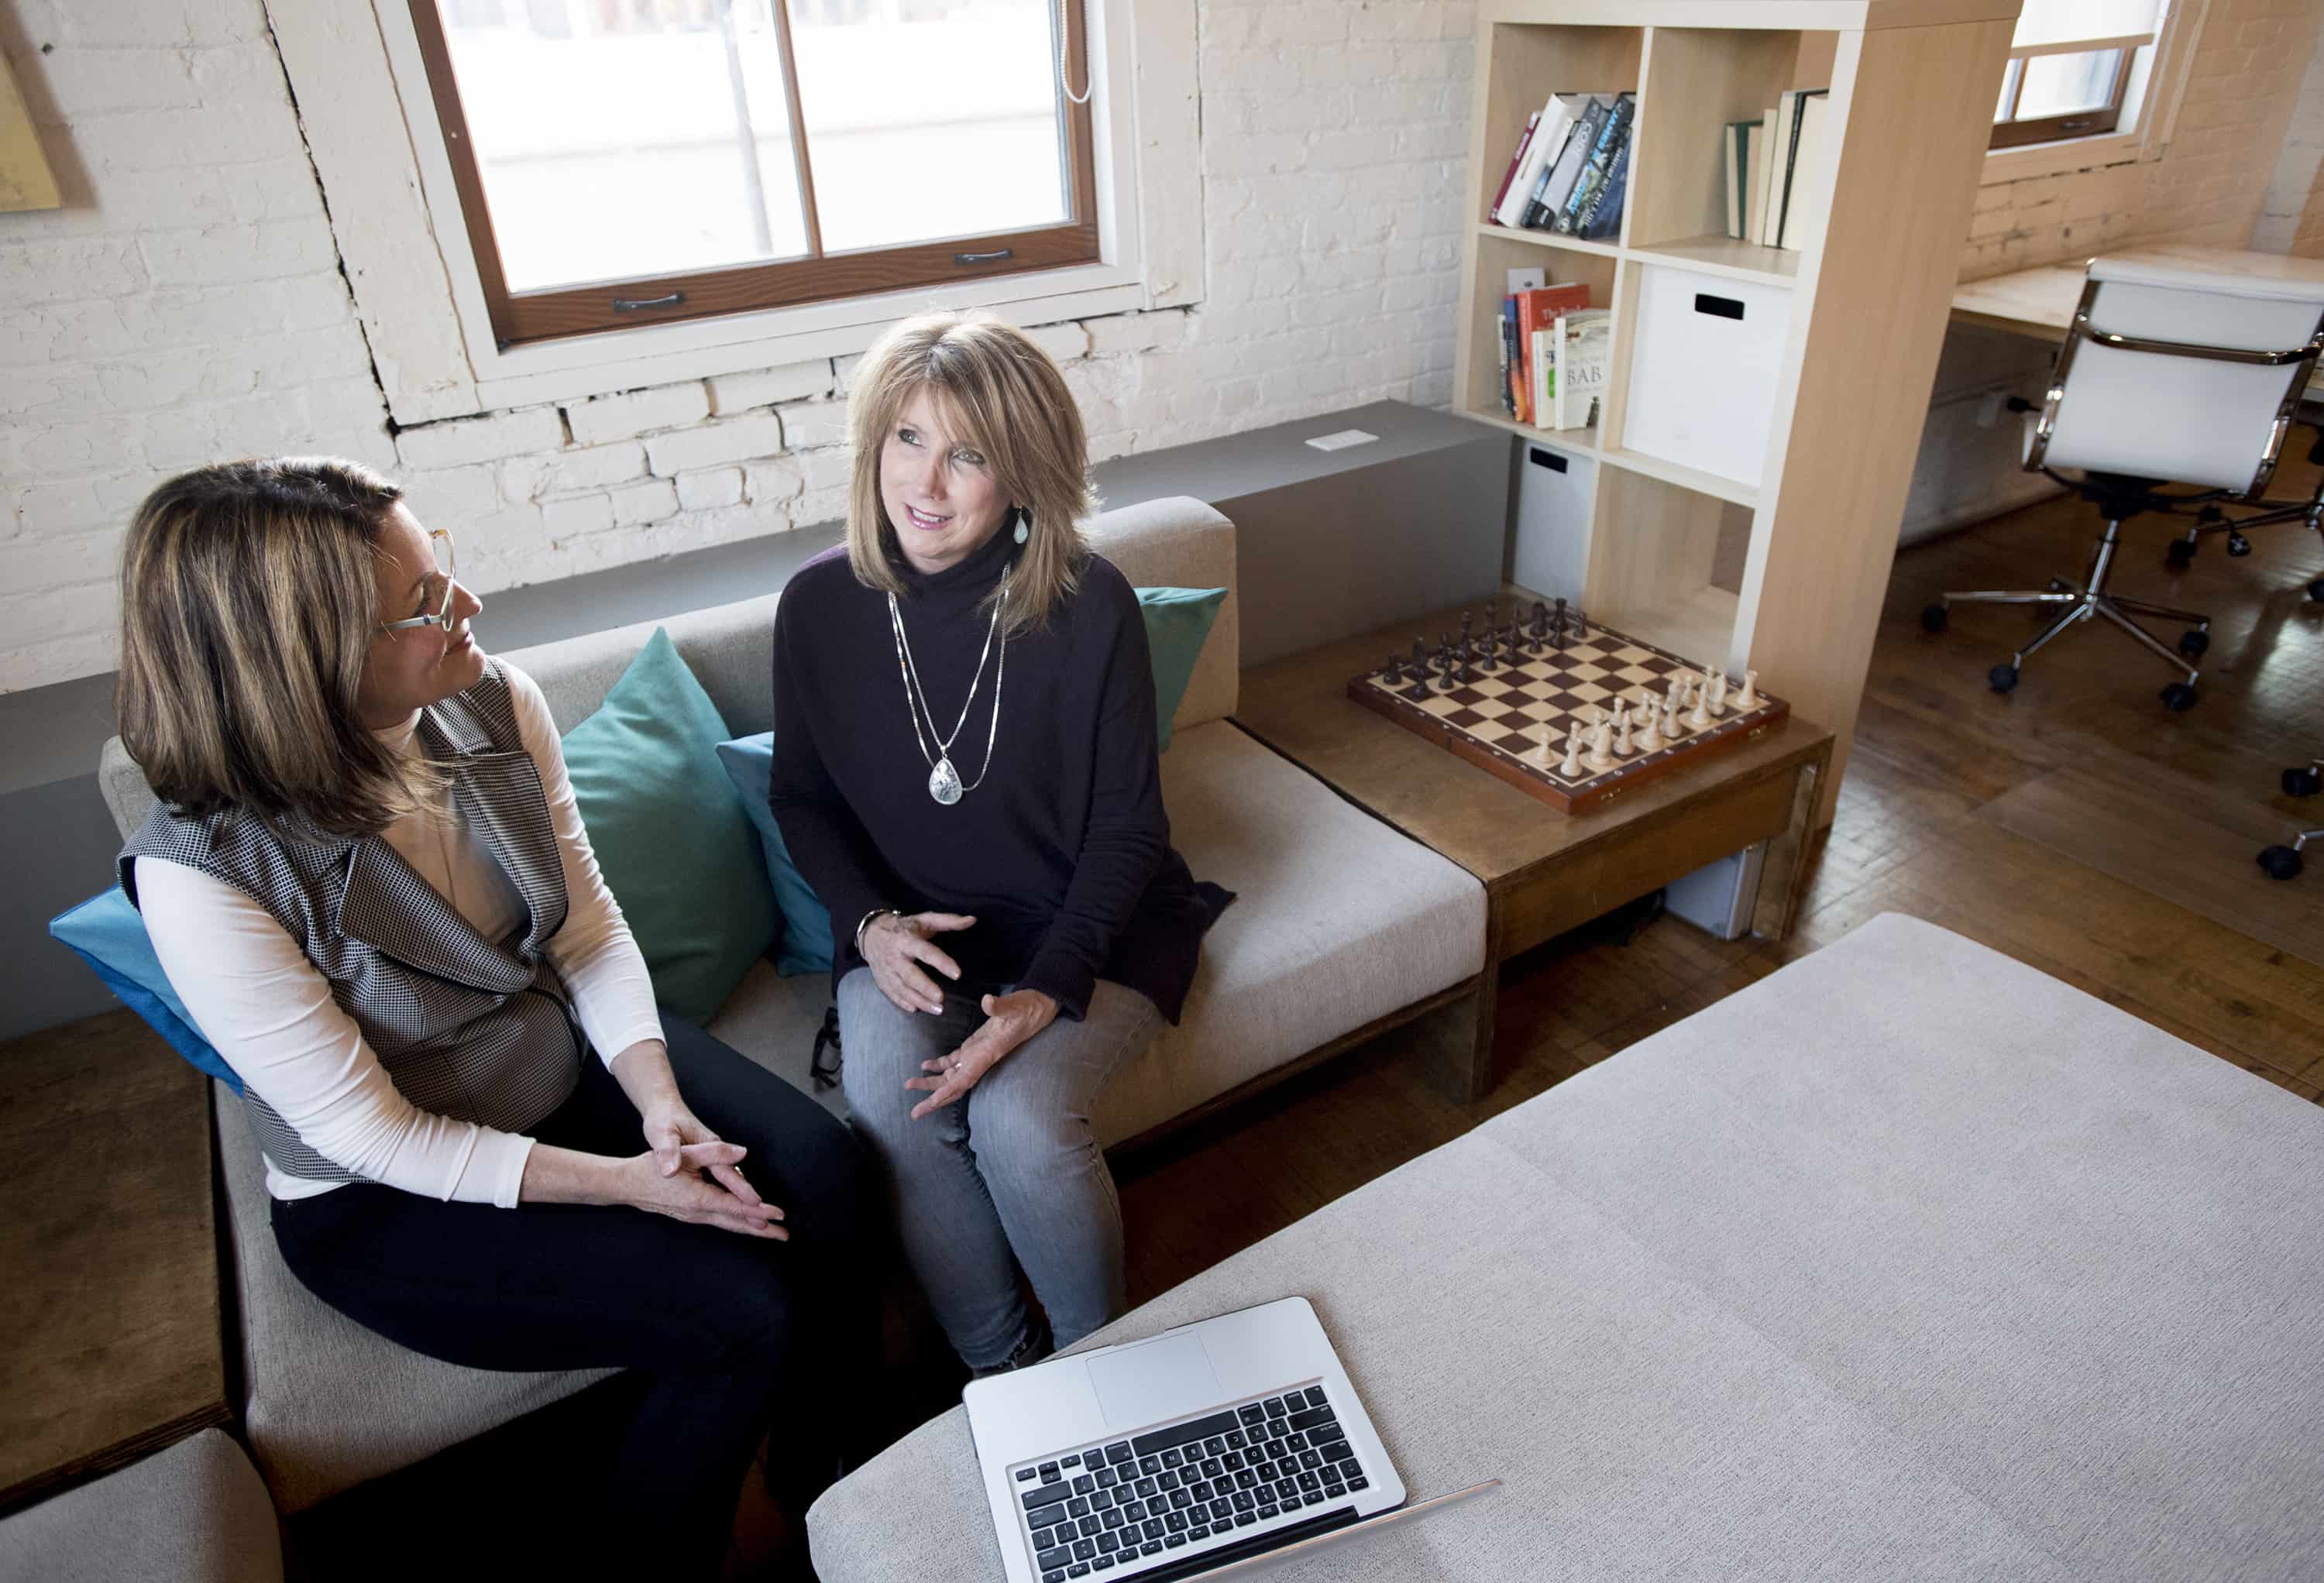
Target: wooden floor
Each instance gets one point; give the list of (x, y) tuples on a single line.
[(1934, 746)]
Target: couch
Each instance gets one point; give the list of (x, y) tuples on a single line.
[(1907, 1261), (1343, 926)]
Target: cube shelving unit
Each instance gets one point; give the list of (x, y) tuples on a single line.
[(1688, 530)]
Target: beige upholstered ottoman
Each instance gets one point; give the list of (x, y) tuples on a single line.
[(1907, 1261)]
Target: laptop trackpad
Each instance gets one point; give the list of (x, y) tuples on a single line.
[(1165, 1378)]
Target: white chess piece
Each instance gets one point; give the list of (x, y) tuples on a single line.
[(1601, 754), (1749, 696), (1571, 768), (1671, 701), (1699, 720), (1650, 739), (1622, 733), (1541, 747), (1719, 693)]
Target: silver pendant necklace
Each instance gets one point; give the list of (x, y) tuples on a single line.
[(945, 784)]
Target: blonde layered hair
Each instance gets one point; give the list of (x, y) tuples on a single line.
[(1001, 394), (249, 597)]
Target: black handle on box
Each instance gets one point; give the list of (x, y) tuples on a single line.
[(1723, 307), (1549, 459)]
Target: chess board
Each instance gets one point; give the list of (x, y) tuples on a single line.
[(1494, 721)]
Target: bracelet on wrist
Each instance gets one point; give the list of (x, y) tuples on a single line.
[(867, 920)]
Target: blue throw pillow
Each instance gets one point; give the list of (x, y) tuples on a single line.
[(676, 850), (1177, 620), (807, 945), (106, 932)]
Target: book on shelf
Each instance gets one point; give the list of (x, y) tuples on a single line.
[(1547, 138), (1779, 172), (1516, 159), (1568, 173), (1536, 311), (1597, 165), (1575, 352)]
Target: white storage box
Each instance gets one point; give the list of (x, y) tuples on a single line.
[(1553, 520), (1702, 369)]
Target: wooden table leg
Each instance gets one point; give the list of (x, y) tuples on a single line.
[(1783, 880)]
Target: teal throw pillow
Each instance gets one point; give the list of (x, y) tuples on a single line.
[(675, 845), (1178, 620), (109, 934), (806, 946)]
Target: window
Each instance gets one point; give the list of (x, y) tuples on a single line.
[(2075, 68), (624, 163)]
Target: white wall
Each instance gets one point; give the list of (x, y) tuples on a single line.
[(189, 304)]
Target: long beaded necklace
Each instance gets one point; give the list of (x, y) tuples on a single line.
[(944, 781)]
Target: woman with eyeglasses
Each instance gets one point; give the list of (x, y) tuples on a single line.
[(367, 878)]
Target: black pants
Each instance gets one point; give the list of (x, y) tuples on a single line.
[(734, 1335)]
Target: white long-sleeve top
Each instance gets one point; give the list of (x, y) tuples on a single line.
[(256, 998)]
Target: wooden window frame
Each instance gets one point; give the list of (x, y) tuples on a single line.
[(527, 318), (2090, 122)]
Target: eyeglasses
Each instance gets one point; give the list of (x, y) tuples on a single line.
[(441, 539)]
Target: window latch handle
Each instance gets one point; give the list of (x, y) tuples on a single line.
[(2073, 126), (978, 258), (630, 304)]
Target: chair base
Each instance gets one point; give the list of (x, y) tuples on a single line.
[(2082, 602)]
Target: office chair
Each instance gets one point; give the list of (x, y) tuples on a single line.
[(2169, 371), (2283, 862)]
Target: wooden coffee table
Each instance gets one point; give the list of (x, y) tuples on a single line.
[(1543, 871)]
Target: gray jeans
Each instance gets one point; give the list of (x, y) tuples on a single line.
[(1006, 1176)]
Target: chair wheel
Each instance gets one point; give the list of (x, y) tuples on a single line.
[(2316, 591), (2194, 641), (2180, 554), (2237, 544), (2213, 513), (1935, 618), (2178, 696), (2002, 678), (2281, 862), (2302, 783)]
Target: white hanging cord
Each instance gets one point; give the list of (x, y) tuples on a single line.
[(1064, 86)]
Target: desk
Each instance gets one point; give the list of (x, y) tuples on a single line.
[(1543, 871), (2040, 302), (110, 1305)]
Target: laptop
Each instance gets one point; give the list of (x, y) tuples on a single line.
[(1216, 1448)]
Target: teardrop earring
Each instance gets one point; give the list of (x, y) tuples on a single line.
[(1024, 525)]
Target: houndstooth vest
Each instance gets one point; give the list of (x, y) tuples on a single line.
[(475, 1029)]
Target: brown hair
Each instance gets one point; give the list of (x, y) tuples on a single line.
[(1002, 395), (249, 597)]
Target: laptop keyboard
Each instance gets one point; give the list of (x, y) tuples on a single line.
[(1132, 1507)]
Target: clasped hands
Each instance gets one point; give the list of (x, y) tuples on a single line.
[(897, 947)]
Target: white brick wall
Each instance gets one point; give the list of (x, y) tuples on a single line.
[(187, 305)]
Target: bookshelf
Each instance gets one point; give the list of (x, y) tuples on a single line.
[(1692, 533)]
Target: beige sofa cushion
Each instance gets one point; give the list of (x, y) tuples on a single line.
[(326, 1403), (193, 1512)]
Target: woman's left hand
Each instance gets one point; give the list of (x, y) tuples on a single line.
[(1010, 1020), (670, 1125)]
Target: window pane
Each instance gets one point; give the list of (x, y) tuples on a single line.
[(2062, 22), (615, 141), (2060, 85), (929, 119)]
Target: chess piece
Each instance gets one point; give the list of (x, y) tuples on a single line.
[(1650, 738), (1719, 693), (1467, 621), (1699, 720), (1541, 747), (1622, 736), (1392, 674), (1670, 714), (1749, 696), (1540, 628), (1420, 660), (1602, 746), (1571, 768)]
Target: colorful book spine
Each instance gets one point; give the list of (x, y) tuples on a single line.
[(1605, 217), (1557, 177), (1533, 124), (1611, 134)]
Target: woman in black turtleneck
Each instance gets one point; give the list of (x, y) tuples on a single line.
[(965, 772)]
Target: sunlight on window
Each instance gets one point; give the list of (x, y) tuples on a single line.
[(617, 139)]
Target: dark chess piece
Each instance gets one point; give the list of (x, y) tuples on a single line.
[(1393, 673), (1580, 626), (1540, 628), (1420, 660), (1511, 639), (1492, 616)]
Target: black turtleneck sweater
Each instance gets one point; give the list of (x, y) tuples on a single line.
[(1062, 853)]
